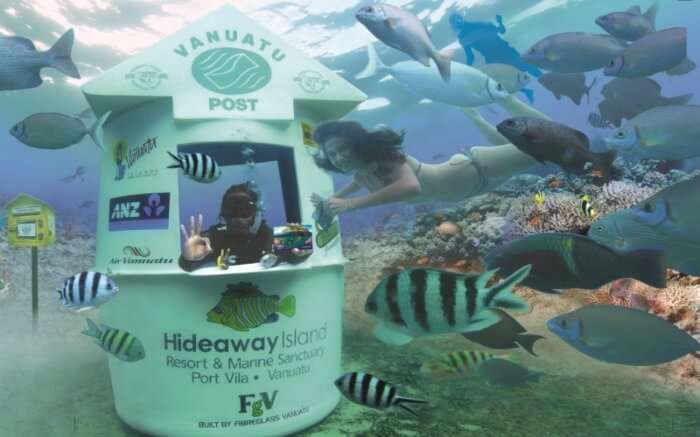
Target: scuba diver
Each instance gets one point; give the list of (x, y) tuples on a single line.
[(241, 237)]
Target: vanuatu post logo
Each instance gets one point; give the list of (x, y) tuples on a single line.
[(227, 70)]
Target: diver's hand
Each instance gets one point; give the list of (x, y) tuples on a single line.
[(336, 205), (316, 200), (196, 247)]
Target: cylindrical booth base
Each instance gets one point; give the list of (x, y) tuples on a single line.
[(207, 373)]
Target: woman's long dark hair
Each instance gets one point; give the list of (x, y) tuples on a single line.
[(382, 145)]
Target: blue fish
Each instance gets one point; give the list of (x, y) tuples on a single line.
[(484, 38)]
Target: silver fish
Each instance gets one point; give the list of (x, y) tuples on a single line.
[(666, 132), (571, 85), (51, 130), (620, 335), (574, 52), (512, 79), (20, 62), (631, 24), (654, 53), (669, 220), (403, 31)]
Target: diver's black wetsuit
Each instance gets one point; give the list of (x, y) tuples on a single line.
[(247, 248)]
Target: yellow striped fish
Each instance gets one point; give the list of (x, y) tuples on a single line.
[(586, 207), (460, 362), (119, 343), (243, 307)]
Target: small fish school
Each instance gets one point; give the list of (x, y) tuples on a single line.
[(206, 181)]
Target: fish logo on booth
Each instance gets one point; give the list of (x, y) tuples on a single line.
[(227, 70), (139, 211)]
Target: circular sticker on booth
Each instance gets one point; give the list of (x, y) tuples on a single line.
[(227, 70)]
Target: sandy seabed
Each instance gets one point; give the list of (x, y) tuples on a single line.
[(56, 382)]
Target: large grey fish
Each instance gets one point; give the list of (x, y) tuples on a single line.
[(51, 130), (512, 79), (631, 24), (506, 334), (562, 260), (574, 52), (628, 97), (20, 62), (654, 53), (506, 373), (403, 31), (667, 132), (417, 302), (669, 220), (621, 335), (571, 85), (546, 140)]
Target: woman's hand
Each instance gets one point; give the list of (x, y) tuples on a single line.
[(196, 247), (336, 205)]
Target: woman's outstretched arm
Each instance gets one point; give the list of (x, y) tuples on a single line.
[(348, 189), (404, 187)]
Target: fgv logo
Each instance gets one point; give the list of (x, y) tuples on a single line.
[(139, 211), (247, 401), (231, 71)]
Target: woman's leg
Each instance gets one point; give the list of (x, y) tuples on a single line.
[(518, 108), (486, 128)]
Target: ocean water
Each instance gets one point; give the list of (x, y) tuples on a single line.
[(56, 382)]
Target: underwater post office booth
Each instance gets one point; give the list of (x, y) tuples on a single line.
[(219, 86)]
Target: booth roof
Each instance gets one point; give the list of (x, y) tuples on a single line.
[(224, 66)]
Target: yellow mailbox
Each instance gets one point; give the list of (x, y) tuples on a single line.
[(30, 222)]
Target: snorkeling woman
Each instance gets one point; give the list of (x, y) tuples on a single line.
[(377, 162)]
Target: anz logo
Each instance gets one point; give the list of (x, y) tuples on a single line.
[(139, 211), (126, 210)]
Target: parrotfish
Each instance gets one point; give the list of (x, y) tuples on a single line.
[(620, 335), (403, 31), (563, 260), (244, 307), (669, 220), (631, 24), (20, 62), (468, 86), (574, 52), (666, 132), (418, 302)]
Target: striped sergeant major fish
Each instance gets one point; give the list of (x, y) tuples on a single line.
[(370, 391), (198, 166), (417, 302), (121, 344), (460, 362), (86, 290)]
